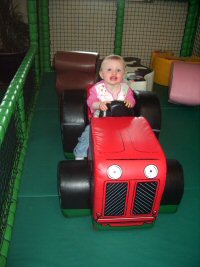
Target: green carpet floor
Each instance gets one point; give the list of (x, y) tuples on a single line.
[(42, 237)]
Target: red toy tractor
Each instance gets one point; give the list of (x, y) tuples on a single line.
[(126, 180)]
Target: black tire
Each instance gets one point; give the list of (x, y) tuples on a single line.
[(73, 117), (148, 106), (174, 187), (74, 184)]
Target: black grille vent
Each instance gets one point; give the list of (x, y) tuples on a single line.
[(144, 199), (115, 199)]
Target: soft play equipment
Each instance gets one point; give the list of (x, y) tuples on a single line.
[(127, 180), (75, 69), (185, 83), (161, 63), (138, 76)]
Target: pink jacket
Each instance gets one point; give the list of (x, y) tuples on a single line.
[(99, 92)]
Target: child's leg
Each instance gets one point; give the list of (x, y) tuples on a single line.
[(80, 151)]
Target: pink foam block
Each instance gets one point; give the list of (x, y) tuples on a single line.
[(185, 83)]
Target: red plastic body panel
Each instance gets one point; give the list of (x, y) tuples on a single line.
[(123, 194)]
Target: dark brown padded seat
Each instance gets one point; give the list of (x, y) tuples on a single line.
[(75, 70)]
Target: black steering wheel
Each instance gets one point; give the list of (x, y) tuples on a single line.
[(117, 108)]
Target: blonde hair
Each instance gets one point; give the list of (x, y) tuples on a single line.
[(113, 57)]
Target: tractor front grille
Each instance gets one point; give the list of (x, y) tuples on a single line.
[(144, 199), (115, 199), (117, 193)]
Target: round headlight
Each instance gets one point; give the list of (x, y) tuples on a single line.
[(151, 171), (114, 172)]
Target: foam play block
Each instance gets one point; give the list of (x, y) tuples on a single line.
[(75, 69), (139, 77), (161, 63), (185, 83)]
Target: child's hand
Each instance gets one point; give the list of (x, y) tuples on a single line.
[(103, 106), (128, 104)]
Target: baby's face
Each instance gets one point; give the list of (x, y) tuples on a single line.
[(112, 71)]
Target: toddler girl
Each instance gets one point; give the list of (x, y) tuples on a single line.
[(111, 87)]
